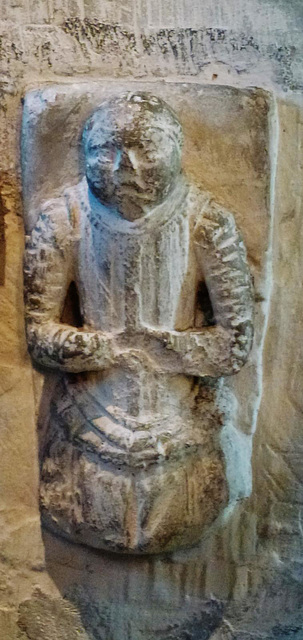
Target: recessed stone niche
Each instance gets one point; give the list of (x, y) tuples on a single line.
[(152, 453)]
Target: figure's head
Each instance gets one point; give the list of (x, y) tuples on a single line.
[(132, 146)]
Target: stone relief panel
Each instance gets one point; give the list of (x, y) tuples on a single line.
[(139, 295)]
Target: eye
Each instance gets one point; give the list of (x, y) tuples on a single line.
[(108, 146), (103, 152), (146, 155), (93, 148), (100, 146)]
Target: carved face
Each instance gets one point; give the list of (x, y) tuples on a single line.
[(133, 153)]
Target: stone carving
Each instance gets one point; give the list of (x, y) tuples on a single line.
[(133, 461)]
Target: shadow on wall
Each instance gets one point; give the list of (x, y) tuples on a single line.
[(97, 605), (88, 609)]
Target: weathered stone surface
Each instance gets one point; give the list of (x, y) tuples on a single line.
[(137, 623), (140, 244), (20, 532), (260, 41), (242, 44), (278, 607), (80, 616), (278, 443), (50, 619)]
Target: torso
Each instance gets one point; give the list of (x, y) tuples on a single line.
[(131, 275)]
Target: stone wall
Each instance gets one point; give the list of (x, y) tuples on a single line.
[(249, 587)]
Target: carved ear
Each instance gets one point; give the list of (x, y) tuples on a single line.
[(71, 313)]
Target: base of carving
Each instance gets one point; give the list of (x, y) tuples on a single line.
[(148, 511)]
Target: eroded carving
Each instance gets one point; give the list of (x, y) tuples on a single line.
[(133, 461)]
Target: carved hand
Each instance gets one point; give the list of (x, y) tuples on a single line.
[(199, 353), (204, 352)]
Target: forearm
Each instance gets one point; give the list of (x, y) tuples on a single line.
[(48, 270), (224, 263), (205, 353), (59, 346)]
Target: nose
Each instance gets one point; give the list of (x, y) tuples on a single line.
[(125, 159)]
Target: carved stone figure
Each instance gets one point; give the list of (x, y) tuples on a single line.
[(132, 461)]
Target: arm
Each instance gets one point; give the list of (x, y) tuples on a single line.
[(48, 272), (224, 348), (221, 250)]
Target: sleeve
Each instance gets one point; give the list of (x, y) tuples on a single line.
[(48, 271), (220, 350), (222, 256)]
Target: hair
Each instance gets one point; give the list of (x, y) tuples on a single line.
[(130, 109)]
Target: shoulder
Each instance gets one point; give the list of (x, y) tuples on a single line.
[(55, 223)]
